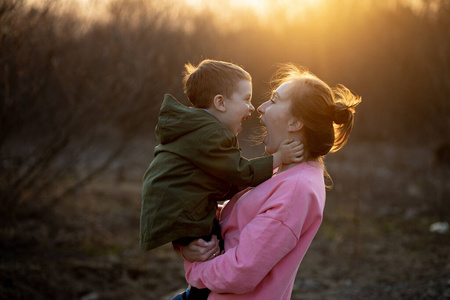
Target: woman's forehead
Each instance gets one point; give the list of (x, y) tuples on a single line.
[(283, 89)]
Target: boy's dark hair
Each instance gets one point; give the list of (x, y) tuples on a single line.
[(210, 78)]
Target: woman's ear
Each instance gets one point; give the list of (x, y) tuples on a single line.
[(295, 125), (219, 103)]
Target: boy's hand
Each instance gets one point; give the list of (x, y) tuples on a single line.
[(290, 151), (201, 250)]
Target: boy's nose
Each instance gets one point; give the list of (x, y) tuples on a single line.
[(251, 108)]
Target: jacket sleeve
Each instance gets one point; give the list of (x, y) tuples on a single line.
[(218, 154), (262, 244)]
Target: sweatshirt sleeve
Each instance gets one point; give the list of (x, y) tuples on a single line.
[(218, 154), (239, 270), (263, 242)]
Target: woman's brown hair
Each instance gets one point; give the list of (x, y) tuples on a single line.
[(326, 113)]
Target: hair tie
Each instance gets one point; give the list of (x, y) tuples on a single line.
[(341, 113)]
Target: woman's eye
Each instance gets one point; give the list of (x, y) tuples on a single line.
[(271, 100)]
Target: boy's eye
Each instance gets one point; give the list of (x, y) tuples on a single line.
[(272, 100)]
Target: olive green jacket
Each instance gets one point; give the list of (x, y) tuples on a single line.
[(196, 164)]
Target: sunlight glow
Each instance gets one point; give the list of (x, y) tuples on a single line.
[(230, 12), (262, 8)]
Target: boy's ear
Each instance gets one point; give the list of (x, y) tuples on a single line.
[(295, 125), (219, 103)]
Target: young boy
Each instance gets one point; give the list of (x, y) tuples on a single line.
[(198, 161)]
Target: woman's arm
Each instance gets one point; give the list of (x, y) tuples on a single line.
[(199, 250), (289, 212), (263, 243)]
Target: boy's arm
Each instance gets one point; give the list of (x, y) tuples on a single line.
[(218, 154), (262, 168)]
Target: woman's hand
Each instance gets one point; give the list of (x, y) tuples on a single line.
[(201, 250)]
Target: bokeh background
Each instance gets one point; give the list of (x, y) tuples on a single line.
[(81, 83)]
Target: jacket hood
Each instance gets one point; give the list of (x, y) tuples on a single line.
[(176, 120)]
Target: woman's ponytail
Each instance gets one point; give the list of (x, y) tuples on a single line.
[(343, 116)]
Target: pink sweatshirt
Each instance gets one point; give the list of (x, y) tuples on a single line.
[(267, 231)]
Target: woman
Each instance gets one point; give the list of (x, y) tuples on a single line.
[(268, 229)]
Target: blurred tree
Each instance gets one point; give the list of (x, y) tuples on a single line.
[(75, 92), (71, 100)]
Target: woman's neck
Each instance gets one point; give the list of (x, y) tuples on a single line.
[(283, 167), (296, 136), (306, 158)]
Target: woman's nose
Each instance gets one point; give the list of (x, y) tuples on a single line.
[(251, 108)]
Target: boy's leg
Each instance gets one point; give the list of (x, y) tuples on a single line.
[(181, 296), (198, 294), (217, 232)]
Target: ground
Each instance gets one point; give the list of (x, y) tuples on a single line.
[(374, 242)]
